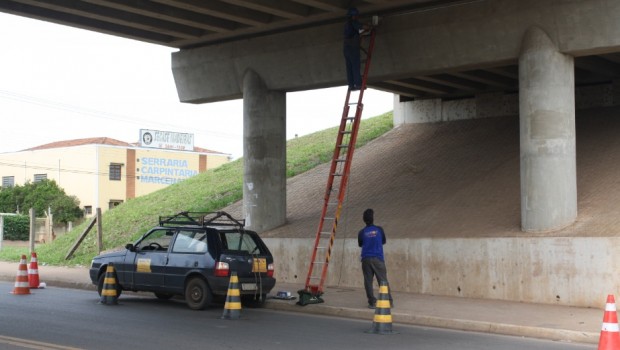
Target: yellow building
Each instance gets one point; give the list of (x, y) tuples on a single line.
[(103, 172)]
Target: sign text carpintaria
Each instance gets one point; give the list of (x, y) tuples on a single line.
[(164, 171)]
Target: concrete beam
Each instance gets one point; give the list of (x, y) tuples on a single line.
[(465, 37)]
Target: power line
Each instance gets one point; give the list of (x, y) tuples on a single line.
[(63, 106)]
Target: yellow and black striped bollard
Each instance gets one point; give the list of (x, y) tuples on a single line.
[(382, 322), (109, 295), (232, 307)]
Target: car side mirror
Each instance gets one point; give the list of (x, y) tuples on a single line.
[(130, 247)]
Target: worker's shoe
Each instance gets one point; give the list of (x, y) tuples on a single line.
[(371, 306)]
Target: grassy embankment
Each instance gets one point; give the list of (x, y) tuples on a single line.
[(208, 191)]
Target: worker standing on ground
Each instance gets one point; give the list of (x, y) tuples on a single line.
[(352, 29), (371, 239)]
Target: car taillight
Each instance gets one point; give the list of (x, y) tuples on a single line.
[(221, 269), (270, 270)]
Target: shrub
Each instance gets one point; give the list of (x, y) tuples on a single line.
[(17, 228)]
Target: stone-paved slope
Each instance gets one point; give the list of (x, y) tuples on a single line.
[(458, 179)]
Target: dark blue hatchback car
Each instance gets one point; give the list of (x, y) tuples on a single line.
[(192, 254)]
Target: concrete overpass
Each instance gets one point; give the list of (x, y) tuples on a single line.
[(443, 60)]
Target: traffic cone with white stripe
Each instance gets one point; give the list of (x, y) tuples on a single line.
[(382, 322), (610, 337), (21, 280), (33, 271), (232, 307)]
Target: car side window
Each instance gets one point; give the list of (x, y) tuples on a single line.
[(238, 241), (157, 240), (190, 242)]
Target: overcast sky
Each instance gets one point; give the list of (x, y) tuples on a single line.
[(60, 83)]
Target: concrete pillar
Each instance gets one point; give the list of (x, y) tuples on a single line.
[(264, 154), (547, 123)]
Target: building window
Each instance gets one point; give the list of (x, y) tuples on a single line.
[(8, 181), (114, 203), (88, 210), (39, 177), (115, 171)]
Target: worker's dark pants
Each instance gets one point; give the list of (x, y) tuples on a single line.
[(352, 59), (373, 267)]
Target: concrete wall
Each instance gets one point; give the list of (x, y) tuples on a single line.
[(493, 105), (436, 110), (576, 271)]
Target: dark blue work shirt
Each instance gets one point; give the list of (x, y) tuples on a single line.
[(352, 32), (371, 238)]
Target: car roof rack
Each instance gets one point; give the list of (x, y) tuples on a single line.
[(218, 218)]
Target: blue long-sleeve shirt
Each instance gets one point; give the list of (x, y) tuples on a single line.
[(352, 33), (371, 238)]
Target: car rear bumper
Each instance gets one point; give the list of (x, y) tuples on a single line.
[(249, 285)]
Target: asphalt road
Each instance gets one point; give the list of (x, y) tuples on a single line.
[(56, 318)]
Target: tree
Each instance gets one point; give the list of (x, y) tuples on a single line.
[(41, 196)]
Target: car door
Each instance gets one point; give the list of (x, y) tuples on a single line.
[(188, 253), (151, 258)]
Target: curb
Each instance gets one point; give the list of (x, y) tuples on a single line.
[(445, 323), (58, 283)]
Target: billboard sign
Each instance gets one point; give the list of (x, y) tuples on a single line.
[(166, 140)]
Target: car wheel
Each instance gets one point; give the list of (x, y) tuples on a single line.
[(254, 301), (163, 296), (197, 294), (100, 286)]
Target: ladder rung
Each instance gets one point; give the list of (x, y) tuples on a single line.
[(336, 174), (343, 146)]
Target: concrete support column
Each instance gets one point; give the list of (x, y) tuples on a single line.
[(264, 154), (547, 123)]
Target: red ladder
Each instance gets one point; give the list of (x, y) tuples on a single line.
[(335, 191)]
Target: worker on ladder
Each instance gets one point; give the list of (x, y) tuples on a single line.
[(352, 46)]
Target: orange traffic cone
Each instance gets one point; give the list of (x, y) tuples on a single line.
[(33, 271), (21, 280), (610, 337), (232, 307)]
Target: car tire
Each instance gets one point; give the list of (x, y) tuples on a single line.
[(101, 281), (197, 294)]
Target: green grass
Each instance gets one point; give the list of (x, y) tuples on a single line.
[(209, 191)]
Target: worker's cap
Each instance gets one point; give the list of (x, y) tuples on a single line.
[(353, 12)]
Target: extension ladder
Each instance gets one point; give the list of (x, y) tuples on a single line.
[(336, 186)]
